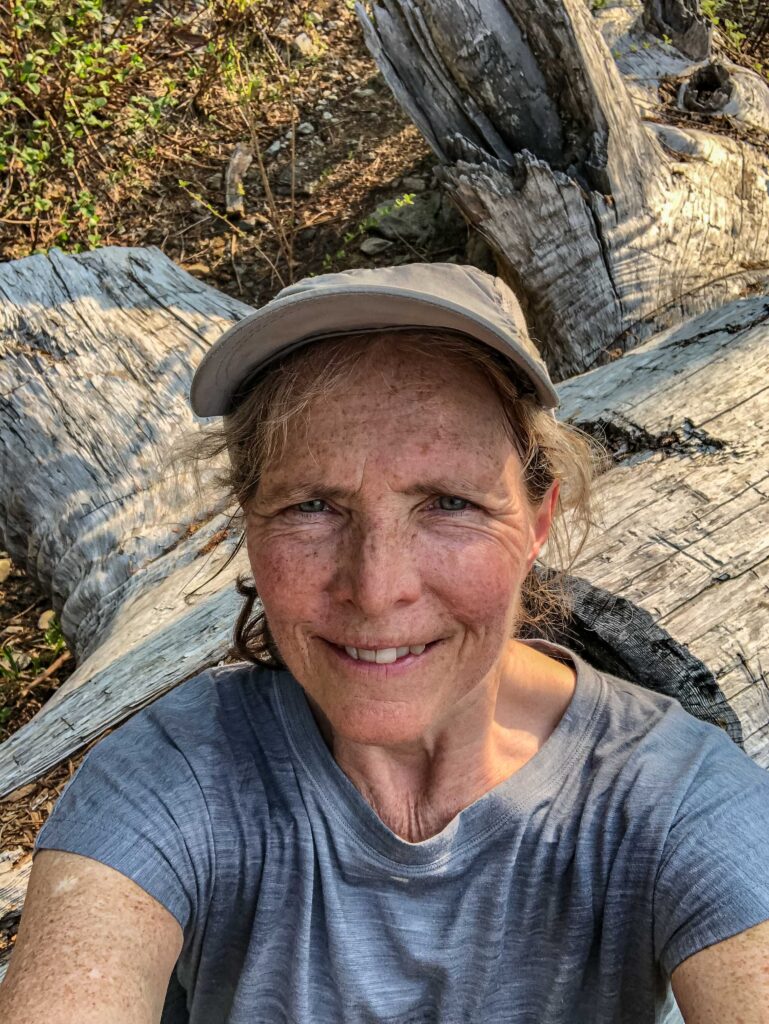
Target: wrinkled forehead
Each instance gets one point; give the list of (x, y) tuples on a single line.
[(408, 396)]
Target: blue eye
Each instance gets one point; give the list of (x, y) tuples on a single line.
[(311, 506), (451, 505)]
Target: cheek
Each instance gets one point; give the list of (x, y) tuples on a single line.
[(479, 581), (289, 576)]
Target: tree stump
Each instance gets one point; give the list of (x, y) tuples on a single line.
[(620, 177)]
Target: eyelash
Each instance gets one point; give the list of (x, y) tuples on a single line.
[(451, 512)]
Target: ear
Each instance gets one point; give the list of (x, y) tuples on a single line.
[(542, 520)]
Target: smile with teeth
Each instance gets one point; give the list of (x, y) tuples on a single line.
[(384, 655)]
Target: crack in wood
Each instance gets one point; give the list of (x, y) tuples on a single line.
[(626, 439), (730, 328)]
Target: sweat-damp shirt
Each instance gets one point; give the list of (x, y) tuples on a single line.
[(636, 836)]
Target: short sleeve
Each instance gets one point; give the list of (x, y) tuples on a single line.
[(136, 805), (713, 878)]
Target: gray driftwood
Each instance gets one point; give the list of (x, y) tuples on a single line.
[(612, 209), (98, 351)]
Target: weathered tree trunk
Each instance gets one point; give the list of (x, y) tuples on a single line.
[(610, 210), (97, 356), (98, 351)]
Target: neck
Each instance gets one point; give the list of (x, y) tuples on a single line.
[(416, 790)]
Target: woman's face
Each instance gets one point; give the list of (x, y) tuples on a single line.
[(397, 522)]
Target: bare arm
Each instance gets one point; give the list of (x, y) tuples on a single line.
[(727, 983), (92, 946)]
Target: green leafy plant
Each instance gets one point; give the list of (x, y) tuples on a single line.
[(54, 638), (89, 89)]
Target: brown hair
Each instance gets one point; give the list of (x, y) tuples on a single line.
[(257, 430)]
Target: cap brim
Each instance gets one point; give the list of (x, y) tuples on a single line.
[(286, 324)]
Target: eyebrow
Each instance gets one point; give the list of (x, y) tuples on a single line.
[(295, 492)]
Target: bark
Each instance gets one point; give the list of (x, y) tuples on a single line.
[(612, 211)]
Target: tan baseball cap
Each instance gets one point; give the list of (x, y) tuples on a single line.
[(430, 295)]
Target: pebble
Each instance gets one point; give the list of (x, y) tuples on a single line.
[(46, 619), (413, 184), (304, 45), (328, 116), (374, 246), (305, 128), (273, 149)]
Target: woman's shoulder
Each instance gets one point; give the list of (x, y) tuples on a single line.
[(661, 748), (213, 724), (228, 697)]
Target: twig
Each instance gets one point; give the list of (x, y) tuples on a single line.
[(233, 254), (233, 227), (20, 615), (53, 667), (189, 227)]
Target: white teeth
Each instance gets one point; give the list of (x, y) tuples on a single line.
[(384, 656)]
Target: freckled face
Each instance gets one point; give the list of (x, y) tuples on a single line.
[(396, 517)]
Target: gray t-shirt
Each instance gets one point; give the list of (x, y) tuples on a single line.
[(567, 894)]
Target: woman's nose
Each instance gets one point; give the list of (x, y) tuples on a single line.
[(378, 570)]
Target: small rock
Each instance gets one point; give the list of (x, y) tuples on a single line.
[(328, 116), (22, 659), (413, 184), (315, 17), (46, 619), (364, 92), (302, 185), (214, 181), (332, 26), (247, 224), (283, 28), (273, 149), (374, 246), (305, 128), (5, 569), (303, 45)]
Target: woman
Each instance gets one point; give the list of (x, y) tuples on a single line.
[(395, 809)]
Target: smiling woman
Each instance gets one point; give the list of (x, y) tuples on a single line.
[(256, 435), (395, 809)]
